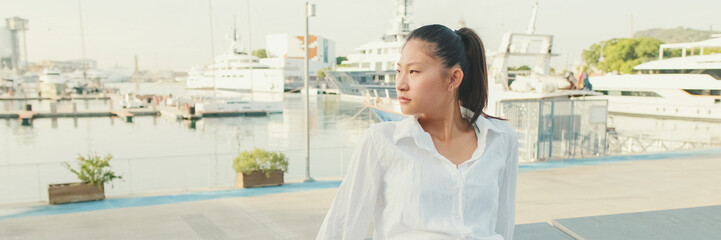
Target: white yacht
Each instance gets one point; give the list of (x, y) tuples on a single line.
[(537, 83), (371, 70), (382, 55), (236, 70), (681, 87)]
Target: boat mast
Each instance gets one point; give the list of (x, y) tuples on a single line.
[(212, 45), (250, 51), (235, 37), (82, 44), (401, 23), (532, 24)]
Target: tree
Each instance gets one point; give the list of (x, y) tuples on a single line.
[(340, 60), (521, 68), (260, 53), (711, 51), (675, 35), (621, 55)]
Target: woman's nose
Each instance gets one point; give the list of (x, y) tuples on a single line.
[(401, 83)]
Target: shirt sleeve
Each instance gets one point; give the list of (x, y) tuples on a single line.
[(350, 214), (507, 196)]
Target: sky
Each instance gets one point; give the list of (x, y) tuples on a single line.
[(176, 34)]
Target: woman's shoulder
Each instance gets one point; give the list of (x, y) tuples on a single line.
[(382, 130), (378, 136)]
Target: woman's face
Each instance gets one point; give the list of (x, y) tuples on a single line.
[(421, 83)]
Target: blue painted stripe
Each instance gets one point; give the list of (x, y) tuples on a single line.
[(609, 159), (166, 199)]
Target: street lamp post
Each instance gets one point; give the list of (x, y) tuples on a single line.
[(309, 12)]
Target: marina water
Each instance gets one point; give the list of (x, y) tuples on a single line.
[(158, 155)]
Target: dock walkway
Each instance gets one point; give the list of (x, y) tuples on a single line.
[(127, 114), (676, 198), (26, 117), (63, 98), (109, 113)]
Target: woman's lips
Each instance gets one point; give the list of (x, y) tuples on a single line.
[(403, 100)]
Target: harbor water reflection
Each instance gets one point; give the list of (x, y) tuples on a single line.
[(157, 154)]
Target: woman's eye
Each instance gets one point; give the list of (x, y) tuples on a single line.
[(413, 71), (398, 71)]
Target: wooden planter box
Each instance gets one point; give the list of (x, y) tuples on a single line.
[(74, 192), (258, 179)]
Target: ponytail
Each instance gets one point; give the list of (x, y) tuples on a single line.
[(462, 47), (473, 91)]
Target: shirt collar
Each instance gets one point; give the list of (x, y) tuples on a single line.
[(410, 127)]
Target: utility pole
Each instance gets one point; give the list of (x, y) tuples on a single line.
[(309, 12)]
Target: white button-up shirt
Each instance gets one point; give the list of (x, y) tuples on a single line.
[(399, 181)]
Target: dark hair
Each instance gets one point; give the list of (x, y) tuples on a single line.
[(462, 47)]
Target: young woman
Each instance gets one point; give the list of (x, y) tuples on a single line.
[(448, 172)]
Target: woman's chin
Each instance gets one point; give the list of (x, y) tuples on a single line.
[(407, 111)]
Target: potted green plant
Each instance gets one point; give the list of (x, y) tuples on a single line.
[(260, 168), (93, 171)]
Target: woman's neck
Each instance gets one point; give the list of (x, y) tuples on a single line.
[(444, 123)]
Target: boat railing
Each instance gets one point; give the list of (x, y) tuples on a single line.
[(619, 144), (374, 98)]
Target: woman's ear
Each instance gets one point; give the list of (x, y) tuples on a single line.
[(456, 77)]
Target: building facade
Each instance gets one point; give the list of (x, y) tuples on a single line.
[(286, 51)]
